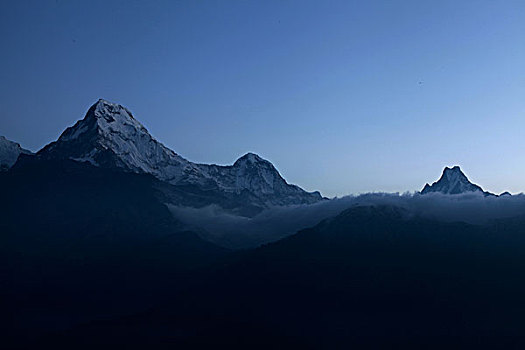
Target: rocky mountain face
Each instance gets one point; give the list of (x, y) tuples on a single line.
[(257, 176), (110, 137), (453, 181), (9, 152)]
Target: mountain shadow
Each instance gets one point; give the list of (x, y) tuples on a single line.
[(80, 242), (373, 276)]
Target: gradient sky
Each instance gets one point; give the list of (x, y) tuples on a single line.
[(342, 96)]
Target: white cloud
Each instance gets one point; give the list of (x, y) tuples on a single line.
[(217, 225)]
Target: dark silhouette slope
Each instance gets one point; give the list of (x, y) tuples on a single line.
[(372, 276), (79, 242)]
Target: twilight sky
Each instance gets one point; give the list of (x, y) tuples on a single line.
[(342, 96)]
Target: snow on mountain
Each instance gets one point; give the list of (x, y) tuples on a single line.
[(109, 136), (9, 152), (257, 175), (453, 181)]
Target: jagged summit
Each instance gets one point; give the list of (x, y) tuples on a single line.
[(453, 181), (106, 112), (109, 136), (9, 152)]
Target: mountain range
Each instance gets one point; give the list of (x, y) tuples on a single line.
[(110, 142), (110, 137), (93, 252)]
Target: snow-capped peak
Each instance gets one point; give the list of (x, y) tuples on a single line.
[(251, 158), (112, 117), (107, 118), (455, 174), (109, 136), (452, 181)]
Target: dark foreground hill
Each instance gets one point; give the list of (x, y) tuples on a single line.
[(80, 242), (373, 276)]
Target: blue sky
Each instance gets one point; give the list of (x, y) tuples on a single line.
[(342, 96)]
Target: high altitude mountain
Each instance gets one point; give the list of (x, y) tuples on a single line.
[(110, 137), (453, 181), (9, 152)]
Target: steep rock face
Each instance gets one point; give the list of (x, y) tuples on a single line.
[(9, 152), (110, 137), (453, 181), (256, 175)]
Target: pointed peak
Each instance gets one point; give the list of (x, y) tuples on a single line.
[(104, 109), (103, 102), (251, 158), (110, 118), (452, 181), (107, 128), (454, 172)]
